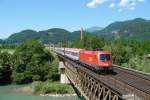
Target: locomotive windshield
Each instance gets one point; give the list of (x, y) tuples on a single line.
[(104, 57)]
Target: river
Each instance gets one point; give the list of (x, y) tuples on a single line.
[(10, 93)]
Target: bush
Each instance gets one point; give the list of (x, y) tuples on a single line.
[(36, 78), (51, 87), (18, 77), (37, 86), (140, 63), (48, 88), (130, 54)]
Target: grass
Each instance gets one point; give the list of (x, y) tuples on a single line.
[(50, 87), (11, 51)]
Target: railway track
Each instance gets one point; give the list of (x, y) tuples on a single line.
[(139, 74), (136, 82), (126, 82)]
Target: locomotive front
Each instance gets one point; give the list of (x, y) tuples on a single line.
[(105, 60)]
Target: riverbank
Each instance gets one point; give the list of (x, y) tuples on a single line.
[(18, 92), (52, 87), (48, 88), (59, 95)]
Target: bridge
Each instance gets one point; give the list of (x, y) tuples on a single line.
[(124, 84)]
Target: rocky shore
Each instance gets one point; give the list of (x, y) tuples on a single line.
[(26, 89), (29, 90), (59, 95)]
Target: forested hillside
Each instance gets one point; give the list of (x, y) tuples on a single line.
[(138, 29), (134, 29), (51, 35), (54, 35)]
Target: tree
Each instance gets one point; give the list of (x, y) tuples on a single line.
[(89, 42), (97, 43), (121, 53), (31, 62), (5, 68)]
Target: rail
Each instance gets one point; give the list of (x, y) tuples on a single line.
[(125, 83)]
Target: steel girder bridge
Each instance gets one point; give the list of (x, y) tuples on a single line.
[(87, 83)]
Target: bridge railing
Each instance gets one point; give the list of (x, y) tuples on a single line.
[(88, 84)]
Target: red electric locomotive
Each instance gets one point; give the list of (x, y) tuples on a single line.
[(100, 60)]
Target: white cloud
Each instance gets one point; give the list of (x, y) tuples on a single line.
[(129, 4), (95, 3), (122, 4), (112, 5)]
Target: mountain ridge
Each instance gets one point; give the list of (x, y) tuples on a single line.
[(138, 28)]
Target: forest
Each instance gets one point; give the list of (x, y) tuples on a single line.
[(127, 53), (31, 62)]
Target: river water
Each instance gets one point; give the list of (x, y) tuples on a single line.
[(9, 93)]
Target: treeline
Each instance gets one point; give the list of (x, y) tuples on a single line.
[(127, 53), (30, 62), (89, 42), (54, 35), (130, 29), (8, 46)]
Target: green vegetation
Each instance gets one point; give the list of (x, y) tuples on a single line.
[(131, 54), (11, 51), (32, 63), (140, 63), (89, 42), (29, 62), (132, 29), (5, 68), (54, 35), (127, 53), (7, 46), (51, 87)]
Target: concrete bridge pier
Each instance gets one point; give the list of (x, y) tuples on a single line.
[(63, 78)]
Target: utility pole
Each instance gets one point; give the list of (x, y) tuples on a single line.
[(81, 35), (64, 44)]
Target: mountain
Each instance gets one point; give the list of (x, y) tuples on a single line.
[(46, 36), (132, 29), (94, 29), (54, 35), (22, 36)]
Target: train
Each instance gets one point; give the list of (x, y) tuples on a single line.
[(97, 60)]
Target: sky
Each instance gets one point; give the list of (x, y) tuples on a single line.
[(18, 15)]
